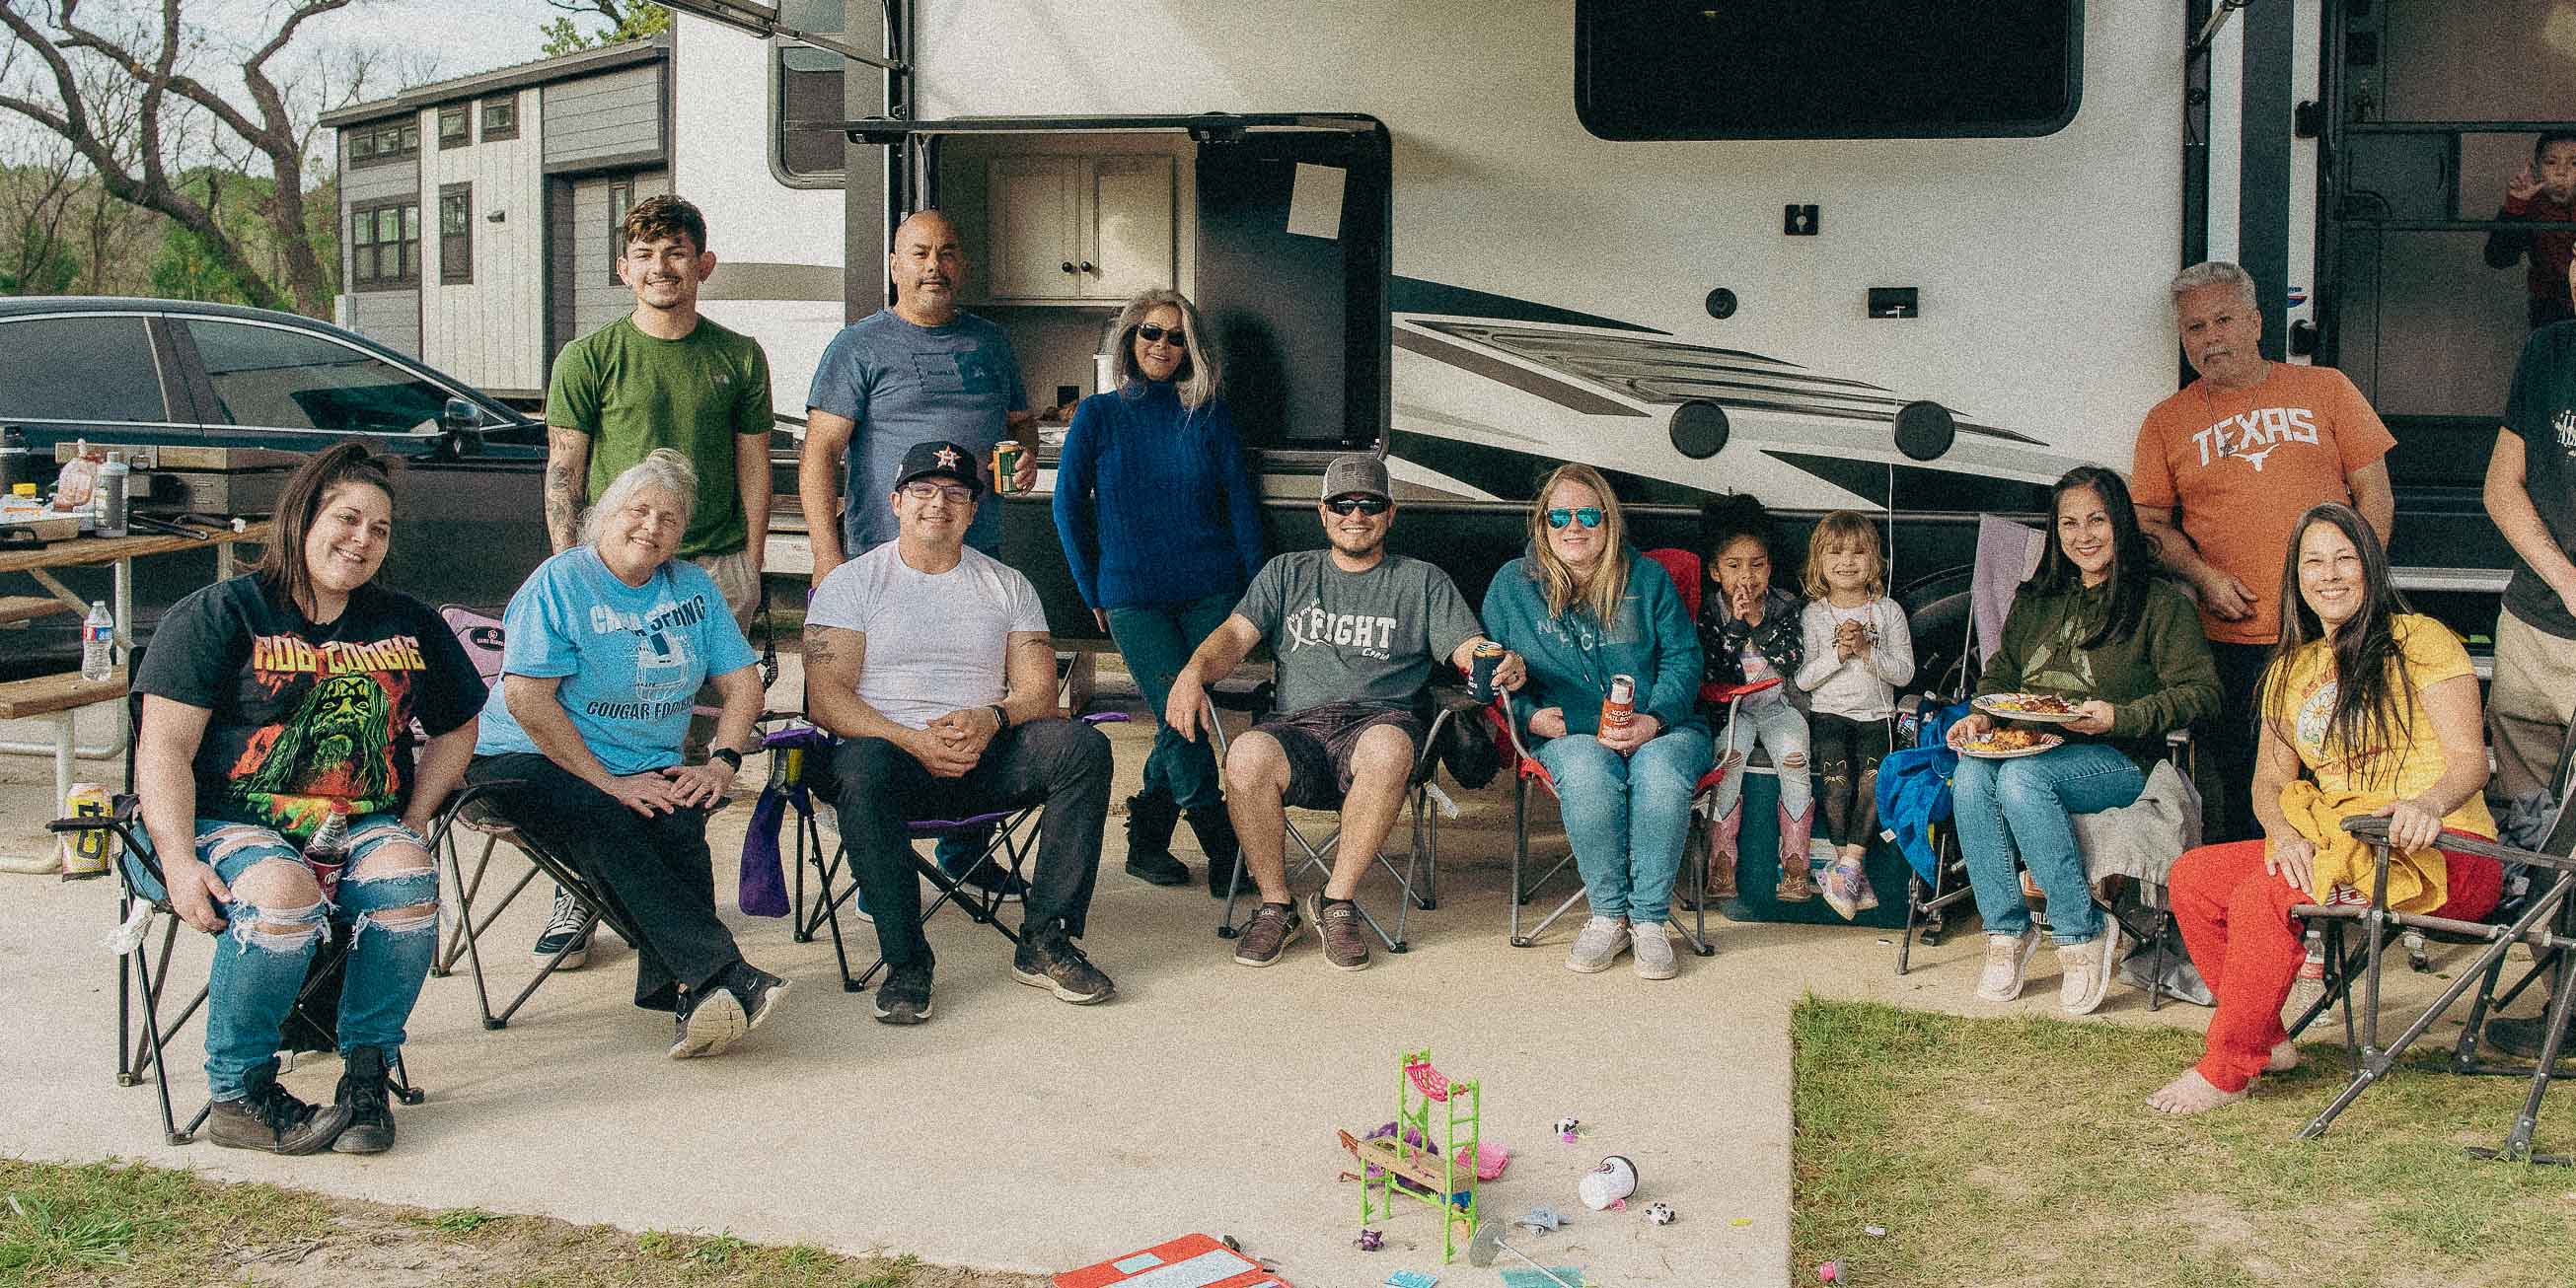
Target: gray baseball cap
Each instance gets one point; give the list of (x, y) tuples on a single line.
[(1356, 474)]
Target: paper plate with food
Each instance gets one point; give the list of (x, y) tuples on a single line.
[(2004, 743), (2042, 708)]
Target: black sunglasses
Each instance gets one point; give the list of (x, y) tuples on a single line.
[(1151, 333), (1371, 505)]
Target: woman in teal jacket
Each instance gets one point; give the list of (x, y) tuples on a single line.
[(1582, 607)]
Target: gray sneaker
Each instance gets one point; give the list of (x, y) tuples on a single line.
[(1266, 934), (1653, 952), (1599, 944)]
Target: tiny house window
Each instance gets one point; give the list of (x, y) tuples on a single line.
[(455, 233), (384, 245), (383, 142), (621, 198), (500, 118), (1830, 69), (455, 128)]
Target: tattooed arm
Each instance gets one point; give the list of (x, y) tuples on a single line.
[(567, 477)]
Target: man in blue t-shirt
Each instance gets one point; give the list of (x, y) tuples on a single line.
[(921, 371)]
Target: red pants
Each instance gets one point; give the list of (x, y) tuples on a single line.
[(2235, 919)]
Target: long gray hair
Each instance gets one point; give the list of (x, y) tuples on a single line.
[(1201, 371), (663, 468)]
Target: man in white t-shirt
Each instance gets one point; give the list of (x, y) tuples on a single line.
[(931, 662)]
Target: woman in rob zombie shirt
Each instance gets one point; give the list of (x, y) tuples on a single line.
[(273, 702)]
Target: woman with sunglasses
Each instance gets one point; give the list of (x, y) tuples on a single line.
[(1582, 607), (1162, 530)]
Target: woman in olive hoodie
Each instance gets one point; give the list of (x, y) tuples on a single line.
[(1581, 607), (2094, 625)]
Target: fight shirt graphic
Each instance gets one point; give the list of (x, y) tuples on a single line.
[(2253, 436), (1312, 627)]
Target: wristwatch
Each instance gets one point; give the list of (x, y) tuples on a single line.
[(731, 758), (1001, 717)]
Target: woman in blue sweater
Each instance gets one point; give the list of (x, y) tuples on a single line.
[(1162, 529), (1581, 607)]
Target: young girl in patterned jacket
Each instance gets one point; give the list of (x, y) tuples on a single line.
[(1749, 631)]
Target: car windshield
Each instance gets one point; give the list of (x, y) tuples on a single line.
[(270, 377)]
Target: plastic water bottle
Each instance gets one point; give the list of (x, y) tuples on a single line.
[(98, 642)]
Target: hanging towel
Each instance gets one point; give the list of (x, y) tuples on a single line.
[(1914, 789), (2417, 881)]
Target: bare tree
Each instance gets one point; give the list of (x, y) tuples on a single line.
[(178, 118)]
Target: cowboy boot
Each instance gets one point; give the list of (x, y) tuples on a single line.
[(1797, 883), (1150, 816), (1722, 832), (1216, 840)]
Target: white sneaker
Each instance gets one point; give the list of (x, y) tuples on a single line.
[(2085, 971), (2007, 958), (564, 927), (1599, 944), (1653, 956)]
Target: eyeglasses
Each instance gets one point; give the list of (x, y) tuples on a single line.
[(1589, 516), (1370, 505), (951, 493), (1153, 334)]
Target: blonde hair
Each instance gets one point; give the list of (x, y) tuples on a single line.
[(1556, 579), (1201, 370), (1833, 530)]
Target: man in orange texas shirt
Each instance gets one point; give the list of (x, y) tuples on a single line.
[(2223, 470)]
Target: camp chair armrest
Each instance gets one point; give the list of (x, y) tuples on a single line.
[(123, 811), (2373, 828)]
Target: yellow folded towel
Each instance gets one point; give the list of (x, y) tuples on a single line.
[(2417, 882)]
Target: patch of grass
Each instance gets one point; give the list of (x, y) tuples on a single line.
[(2020, 1151), (147, 1227)]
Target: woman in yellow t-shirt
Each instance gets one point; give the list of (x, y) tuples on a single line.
[(2376, 709)]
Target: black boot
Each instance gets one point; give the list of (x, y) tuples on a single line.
[(362, 1092), (1150, 816), (267, 1117), (1216, 840)]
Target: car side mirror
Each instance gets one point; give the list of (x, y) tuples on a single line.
[(462, 424)]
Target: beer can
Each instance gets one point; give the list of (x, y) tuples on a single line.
[(1006, 465), (1480, 670), (1621, 706), (87, 854)]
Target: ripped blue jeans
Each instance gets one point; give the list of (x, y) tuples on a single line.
[(262, 954)]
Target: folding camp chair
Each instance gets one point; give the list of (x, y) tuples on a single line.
[(1526, 770), (2007, 553), (1416, 885), (795, 751), (2546, 921), (143, 970)]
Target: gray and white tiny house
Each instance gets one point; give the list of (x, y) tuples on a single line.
[(477, 211)]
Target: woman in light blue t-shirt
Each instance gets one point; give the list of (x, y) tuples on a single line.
[(606, 647)]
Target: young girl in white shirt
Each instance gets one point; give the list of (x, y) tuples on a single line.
[(1858, 651)]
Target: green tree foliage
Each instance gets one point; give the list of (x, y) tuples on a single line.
[(626, 19), (39, 264)]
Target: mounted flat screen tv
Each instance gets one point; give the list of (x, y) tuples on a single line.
[(1827, 69)]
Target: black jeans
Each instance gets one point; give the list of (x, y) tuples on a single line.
[(2229, 740), (654, 873), (1847, 753), (879, 789)]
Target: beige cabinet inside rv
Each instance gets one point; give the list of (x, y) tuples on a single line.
[(1079, 229)]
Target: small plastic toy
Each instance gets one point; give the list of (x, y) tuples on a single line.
[(1829, 1272), (1609, 1184), (1422, 1158), (1371, 1240), (1411, 1279), (1660, 1213), (1568, 1128), (1540, 1220)]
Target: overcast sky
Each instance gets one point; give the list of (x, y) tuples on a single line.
[(467, 36)]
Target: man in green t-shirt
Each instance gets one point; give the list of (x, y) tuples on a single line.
[(663, 376)]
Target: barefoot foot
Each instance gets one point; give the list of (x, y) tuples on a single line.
[(2191, 1094), (2285, 1057)]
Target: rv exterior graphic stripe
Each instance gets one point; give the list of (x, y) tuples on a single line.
[(1522, 378)]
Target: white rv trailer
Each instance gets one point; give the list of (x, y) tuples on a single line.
[(1409, 226)]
